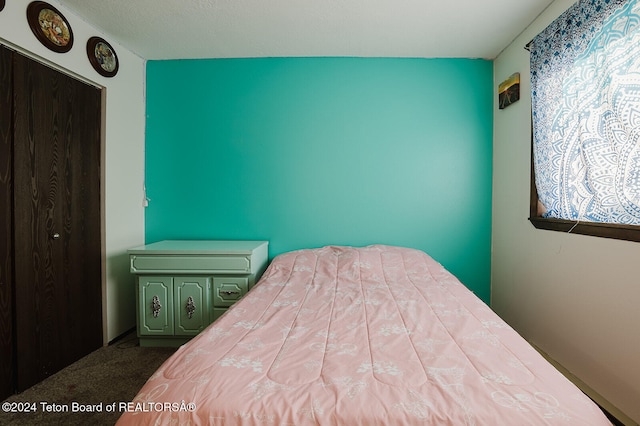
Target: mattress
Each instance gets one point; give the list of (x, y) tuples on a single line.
[(377, 335)]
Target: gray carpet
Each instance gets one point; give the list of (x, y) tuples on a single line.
[(112, 374)]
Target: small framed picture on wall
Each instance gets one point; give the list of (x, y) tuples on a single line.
[(509, 91)]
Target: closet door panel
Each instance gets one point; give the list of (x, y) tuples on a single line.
[(6, 248), (80, 233), (57, 222), (40, 302)]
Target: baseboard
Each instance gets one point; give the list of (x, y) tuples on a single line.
[(615, 415), (121, 336)]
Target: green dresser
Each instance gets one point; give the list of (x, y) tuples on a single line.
[(185, 285)]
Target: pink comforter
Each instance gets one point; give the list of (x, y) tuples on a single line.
[(359, 336)]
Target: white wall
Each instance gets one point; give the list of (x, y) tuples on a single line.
[(576, 297), (123, 149)]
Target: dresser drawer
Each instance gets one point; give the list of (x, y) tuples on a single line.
[(228, 290), (191, 263)]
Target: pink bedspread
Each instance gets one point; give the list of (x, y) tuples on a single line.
[(359, 336)]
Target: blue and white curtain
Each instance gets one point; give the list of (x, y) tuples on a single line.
[(585, 82)]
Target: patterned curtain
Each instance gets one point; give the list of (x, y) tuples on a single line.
[(585, 82)]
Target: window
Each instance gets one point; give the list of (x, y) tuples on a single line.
[(585, 83)]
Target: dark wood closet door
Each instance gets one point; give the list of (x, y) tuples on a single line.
[(58, 310), (6, 249)]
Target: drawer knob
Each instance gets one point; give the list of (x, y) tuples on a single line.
[(229, 293), (156, 306), (191, 307)]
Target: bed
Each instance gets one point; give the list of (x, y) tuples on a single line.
[(376, 335)]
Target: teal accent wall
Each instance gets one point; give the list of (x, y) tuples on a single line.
[(307, 152)]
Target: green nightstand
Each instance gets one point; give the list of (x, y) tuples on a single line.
[(185, 285)]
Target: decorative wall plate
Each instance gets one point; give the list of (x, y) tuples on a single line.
[(50, 26), (102, 56), (1, 4)]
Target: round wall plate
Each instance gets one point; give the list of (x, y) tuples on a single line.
[(49, 26), (102, 56)]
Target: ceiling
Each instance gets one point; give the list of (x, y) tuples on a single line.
[(181, 29)]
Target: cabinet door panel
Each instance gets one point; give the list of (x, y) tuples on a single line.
[(156, 306), (192, 304)]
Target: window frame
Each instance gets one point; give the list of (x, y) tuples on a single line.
[(595, 229)]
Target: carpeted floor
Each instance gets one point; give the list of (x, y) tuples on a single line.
[(111, 375)]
